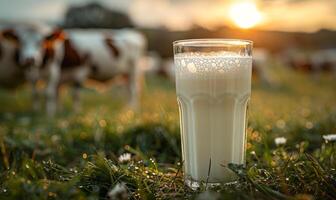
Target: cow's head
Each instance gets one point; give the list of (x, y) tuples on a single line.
[(31, 43)]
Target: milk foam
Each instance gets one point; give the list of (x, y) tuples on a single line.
[(210, 62)]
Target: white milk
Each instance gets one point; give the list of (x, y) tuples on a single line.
[(213, 90)]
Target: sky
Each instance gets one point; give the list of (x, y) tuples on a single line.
[(282, 15)]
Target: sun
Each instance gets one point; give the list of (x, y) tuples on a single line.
[(245, 14)]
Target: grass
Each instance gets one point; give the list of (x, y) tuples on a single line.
[(75, 156)]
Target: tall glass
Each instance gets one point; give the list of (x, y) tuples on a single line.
[(213, 86)]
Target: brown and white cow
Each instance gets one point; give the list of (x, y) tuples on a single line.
[(76, 55), (103, 54), (23, 49)]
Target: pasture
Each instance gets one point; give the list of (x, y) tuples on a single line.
[(77, 155)]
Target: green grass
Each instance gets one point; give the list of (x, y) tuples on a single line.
[(75, 156)]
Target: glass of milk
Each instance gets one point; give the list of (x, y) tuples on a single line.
[(213, 86)]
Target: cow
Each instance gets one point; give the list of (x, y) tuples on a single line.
[(298, 60), (73, 56), (30, 42), (101, 55), (324, 60), (312, 62)]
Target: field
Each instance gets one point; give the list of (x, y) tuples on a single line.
[(77, 156)]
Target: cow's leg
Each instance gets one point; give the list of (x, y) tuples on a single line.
[(51, 91), (80, 76), (58, 97), (33, 75), (35, 96), (134, 85), (76, 96)]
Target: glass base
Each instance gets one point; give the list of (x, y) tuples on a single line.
[(195, 185)]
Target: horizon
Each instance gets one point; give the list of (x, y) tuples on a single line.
[(262, 15)]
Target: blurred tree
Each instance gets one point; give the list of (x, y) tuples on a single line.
[(95, 15)]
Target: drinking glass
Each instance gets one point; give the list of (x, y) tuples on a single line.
[(213, 87)]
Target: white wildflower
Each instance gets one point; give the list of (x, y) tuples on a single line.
[(281, 124), (124, 157), (330, 137), (118, 192), (280, 140)]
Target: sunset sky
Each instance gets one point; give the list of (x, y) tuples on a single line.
[(283, 15)]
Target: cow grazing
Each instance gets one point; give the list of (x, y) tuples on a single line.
[(103, 54), (73, 56)]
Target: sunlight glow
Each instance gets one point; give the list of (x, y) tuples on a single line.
[(245, 14)]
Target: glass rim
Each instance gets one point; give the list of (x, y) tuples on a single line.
[(208, 42)]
